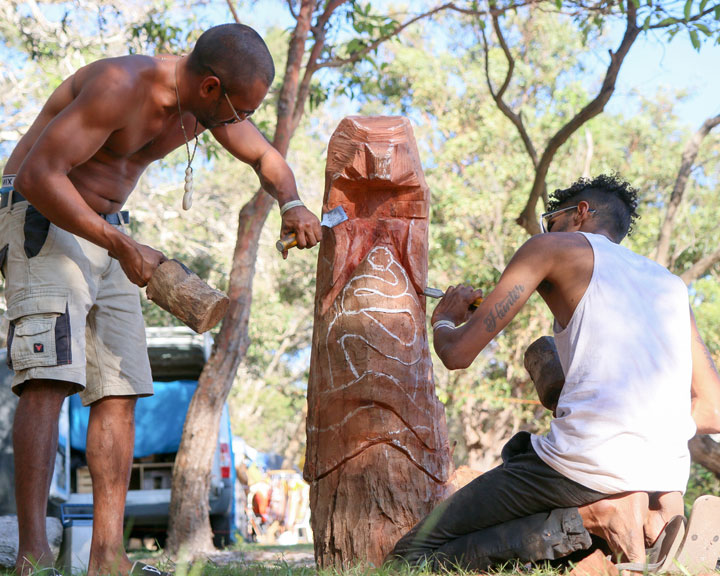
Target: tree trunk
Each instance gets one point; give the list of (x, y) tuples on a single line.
[(189, 527), (662, 251), (189, 513), (528, 218), (378, 457)]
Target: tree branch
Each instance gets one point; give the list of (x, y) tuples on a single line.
[(695, 18), (233, 11), (662, 252), (319, 31), (516, 119), (286, 341), (527, 218), (337, 62), (508, 55), (700, 267), (493, 11), (705, 451), (288, 93), (291, 9)]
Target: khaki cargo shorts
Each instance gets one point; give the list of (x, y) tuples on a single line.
[(74, 315)]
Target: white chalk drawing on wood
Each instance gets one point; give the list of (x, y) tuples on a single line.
[(381, 298)]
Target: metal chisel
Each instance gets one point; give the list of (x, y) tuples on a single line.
[(329, 220), (437, 293)]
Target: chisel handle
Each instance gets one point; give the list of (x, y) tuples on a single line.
[(476, 303), (286, 243), (437, 293)]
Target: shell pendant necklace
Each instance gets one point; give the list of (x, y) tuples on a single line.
[(187, 196)]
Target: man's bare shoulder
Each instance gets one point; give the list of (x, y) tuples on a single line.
[(122, 74), (556, 243)]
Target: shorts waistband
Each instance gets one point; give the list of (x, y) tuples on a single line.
[(117, 218), (8, 180), (9, 195)]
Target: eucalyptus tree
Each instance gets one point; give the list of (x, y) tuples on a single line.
[(315, 43), (479, 173)]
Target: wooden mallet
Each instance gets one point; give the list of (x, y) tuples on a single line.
[(543, 364), (181, 292)]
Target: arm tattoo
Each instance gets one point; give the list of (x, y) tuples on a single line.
[(503, 307)]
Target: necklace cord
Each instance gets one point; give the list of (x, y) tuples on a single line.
[(190, 156)]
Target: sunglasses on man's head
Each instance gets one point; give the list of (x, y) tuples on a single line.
[(547, 217)]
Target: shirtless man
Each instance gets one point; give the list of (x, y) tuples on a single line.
[(637, 374), (71, 268)]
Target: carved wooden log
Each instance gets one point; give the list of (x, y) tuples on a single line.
[(543, 364), (181, 292), (378, 458)]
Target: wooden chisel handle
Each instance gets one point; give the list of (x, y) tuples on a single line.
[(476, 303), (286, 243), (435, 293)]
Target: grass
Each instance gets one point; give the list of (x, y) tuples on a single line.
[(266, 560), (278, 561), (242, 560)]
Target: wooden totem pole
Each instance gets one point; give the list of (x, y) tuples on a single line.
[(377, 449)]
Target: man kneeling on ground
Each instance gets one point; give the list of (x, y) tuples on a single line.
[(632, 358)]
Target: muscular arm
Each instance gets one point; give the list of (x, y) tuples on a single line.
[(705, 390), (70, 139), (244, 141), (530, 265)]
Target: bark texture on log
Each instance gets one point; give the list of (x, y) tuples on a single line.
[(543, 364), (186, 296), (706, 451), (378, 458)]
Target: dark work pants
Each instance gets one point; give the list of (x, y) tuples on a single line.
[(523, 509)]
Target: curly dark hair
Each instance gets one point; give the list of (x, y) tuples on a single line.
[(614, 199)]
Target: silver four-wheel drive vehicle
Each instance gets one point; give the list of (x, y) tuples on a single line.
[(177, 356)]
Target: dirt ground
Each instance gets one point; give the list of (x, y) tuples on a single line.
[(300, 555)]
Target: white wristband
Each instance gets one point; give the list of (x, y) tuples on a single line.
[(289, 205), (443, 324)]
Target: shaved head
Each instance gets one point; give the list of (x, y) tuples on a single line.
[(235, 53)]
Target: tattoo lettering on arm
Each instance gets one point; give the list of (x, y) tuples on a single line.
[(503, 307)]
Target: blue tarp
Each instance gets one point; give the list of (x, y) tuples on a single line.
[(159, 419)]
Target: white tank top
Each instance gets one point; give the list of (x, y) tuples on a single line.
[(623, 417)]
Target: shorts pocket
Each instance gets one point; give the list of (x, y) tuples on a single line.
[(36, 230), (3, 258), (39, 334)]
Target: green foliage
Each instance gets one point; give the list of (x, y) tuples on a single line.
[(479, 175), (702, 481), (706, 302), (476, 165), (357, 47), (157, 33)]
